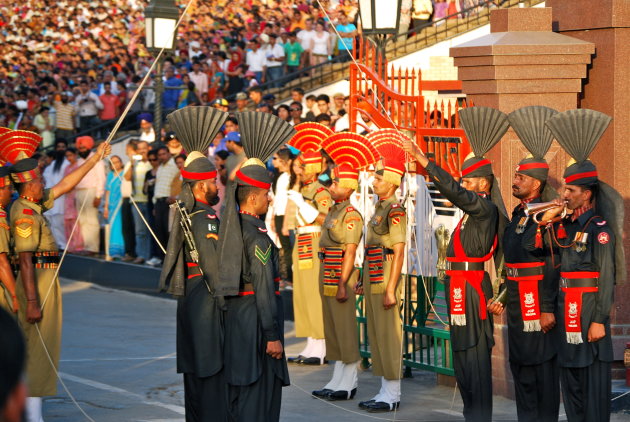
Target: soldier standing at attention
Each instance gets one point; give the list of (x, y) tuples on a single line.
[(255, 364), (386, 238), (532, 277), (313, 202), (8, 299), (341, 235), (592, 260), (38, 290), (474, 242), (190, 269)]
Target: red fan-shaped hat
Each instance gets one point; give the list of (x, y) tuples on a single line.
[(308, 140), (389, 144), (351, 152), (16, 145)]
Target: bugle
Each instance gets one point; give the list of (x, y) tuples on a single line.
[(535, 210)]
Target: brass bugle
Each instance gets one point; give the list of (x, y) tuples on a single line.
[(535, 210)]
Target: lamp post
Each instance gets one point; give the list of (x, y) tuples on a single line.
[(380, 20), (160, 18)]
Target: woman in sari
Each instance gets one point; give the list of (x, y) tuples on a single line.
[(74, 242), (111, 210), (235, 74)]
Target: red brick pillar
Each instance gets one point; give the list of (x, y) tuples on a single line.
[(607, 24), (521, 63)]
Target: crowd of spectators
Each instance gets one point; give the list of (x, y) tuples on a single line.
[(67, 66)]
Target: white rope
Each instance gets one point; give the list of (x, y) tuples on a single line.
[(108, 140)]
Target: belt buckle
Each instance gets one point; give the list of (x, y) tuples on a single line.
[(512, 272), (563, 282), (321, 255)]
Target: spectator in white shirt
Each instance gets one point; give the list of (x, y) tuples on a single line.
[(282, 161), (304, 37), (88, 106), (199, 78), (162, 199), (274, 61), (52, 175), (256, 59), (90, 189)]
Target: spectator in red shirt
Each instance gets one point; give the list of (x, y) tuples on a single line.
[(111, 104)]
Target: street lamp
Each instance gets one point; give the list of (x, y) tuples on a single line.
[(160, 18), (379, 19)]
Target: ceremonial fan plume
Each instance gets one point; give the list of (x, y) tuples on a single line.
[(16, 145), (309, 136), (382, 137), (484, 127), (352, 149), (196, 127), (262, 133), (578, 131), (529, 125)]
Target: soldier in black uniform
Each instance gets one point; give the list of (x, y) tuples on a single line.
[(591, 261), (474, 241), (255, 364), (532, 279), (190, 268)]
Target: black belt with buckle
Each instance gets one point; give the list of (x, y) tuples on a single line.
[(578, 282), (513, 272), (464, 266), (322, 255)]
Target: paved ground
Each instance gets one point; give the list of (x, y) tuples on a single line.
[(118, 361)]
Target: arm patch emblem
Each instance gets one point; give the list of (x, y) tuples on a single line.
[(263, 257)]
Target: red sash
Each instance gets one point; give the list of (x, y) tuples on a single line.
[(459, 278), (573, 305), (528, 295)]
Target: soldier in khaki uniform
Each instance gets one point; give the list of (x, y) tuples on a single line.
[(341, 235), (8, 299), (386, 237), (312, 202), (38, 291)]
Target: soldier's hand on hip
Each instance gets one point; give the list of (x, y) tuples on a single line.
[(389, 300), (33, 312), (274, 349), (342, 294), (547, 321), (596, 332)]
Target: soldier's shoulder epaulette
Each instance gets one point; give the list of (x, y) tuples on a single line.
[(211, 216), (320, 189)]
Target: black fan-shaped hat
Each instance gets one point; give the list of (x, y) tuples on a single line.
[(262, 133), (484, 127), (579, 131), (196, 126), (529, 125)]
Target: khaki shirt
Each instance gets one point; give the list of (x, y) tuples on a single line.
[(316, 195), (343, 225), (29, 228), (388, 225)]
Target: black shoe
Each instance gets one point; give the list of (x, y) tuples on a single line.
[(311, 361), (296, 359), (365, 404), (381, 406), (341, 395), (323, 393)]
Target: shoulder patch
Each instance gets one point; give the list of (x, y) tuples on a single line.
[(603, 238), (24, 221), (5, 226), (320, 189), (263, 257), (24, 232), (395, 205), (323, 202), (600, 223), (262, 230), (212, 236), (27, 211), (395, 220), (352, 218), (349, 209), (396, 213), (212, 227), (350, 226)]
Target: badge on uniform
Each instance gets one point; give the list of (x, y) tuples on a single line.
[(24, 232), (522, 223), (376, 220), (212, 227), (27, 211), (350, 226), (580, 241), (323, 202), (263, 257), (603, 238), (331, 224), (395, 220)]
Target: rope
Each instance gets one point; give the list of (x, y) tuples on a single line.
[(108, 140)]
